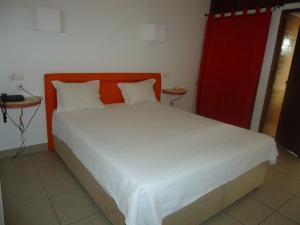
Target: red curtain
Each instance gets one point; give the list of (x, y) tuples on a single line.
[(231, 64)]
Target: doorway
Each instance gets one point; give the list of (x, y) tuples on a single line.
[(271, 123)]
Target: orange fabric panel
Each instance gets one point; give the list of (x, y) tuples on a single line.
[(109, 91)]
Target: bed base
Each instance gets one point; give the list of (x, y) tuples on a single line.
[(193, 214)]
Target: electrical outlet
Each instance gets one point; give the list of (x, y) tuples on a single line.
[(11, 76), (165, 75), (15, 76)]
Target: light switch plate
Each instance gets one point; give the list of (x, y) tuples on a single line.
[(15, 76)]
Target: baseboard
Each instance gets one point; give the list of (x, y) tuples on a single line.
[(28, 150)]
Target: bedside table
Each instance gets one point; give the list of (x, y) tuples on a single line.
[(28, 102), (177, 91)]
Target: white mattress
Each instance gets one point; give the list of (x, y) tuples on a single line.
[(154, 159)]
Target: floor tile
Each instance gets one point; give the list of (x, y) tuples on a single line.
[(277, 219), (38, 213), (282, 181), (98, 219), (292, 209), (45, 161), (288, 164), (222, 219), (73, 206), (22, 192), (58, 181), (270, 196), (16, 169), (249, 211)]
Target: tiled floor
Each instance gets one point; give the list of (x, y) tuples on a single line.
[(39, 190)]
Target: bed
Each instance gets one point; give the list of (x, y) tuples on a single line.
[(154, 164)]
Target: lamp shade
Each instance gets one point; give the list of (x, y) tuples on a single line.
[(153, 32), (48, 19)]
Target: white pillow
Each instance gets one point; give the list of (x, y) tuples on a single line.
[(138, 92), (74, 96)]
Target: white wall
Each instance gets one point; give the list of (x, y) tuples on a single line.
[(266, 68), (98, 36)]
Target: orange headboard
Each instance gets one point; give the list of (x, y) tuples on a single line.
[(109, 91)]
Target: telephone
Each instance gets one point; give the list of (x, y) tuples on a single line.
[(8, 98), (11, 98)]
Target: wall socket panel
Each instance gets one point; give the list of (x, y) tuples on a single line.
[(165, 75), (15, 76)]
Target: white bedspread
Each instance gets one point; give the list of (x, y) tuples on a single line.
[(154, 159)]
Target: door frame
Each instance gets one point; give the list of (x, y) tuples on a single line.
[(274, 64)]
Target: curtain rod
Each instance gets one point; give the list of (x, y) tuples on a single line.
[(275, 7)]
